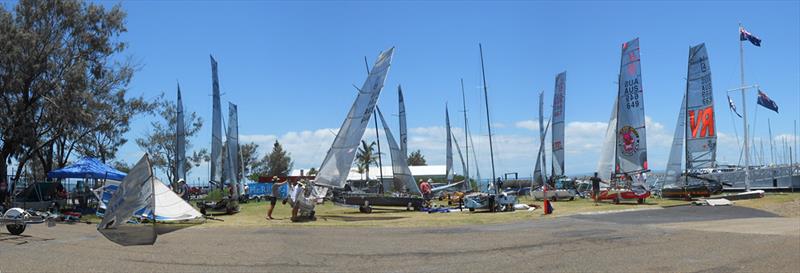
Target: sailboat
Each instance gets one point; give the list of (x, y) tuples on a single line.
[(495, 199), (336, 165), (141, 207), (697, 109), (628, 142), (562, 187), (228, 204)]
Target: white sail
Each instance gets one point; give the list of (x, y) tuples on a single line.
[(701, 137), (449, 150), (170, 207), (403, 129), (557, 148), (605, 166), (216, 128), (673, 171), (336, 166), (180, 141), (538, 176), (631, 154), (466, 187), (232, 157), (135, 193), (401, 172)]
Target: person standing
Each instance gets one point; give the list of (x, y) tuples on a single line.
[(273, 198), (184, 189), (425, 188)]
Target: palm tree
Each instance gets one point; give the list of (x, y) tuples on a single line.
[(366, 156)]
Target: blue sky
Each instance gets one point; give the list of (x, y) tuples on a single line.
[(291, 67)]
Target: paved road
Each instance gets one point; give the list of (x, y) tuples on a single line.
[(641, 241)]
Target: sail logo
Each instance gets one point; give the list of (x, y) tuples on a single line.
[(557, 145), (629, 143), (702, 120)]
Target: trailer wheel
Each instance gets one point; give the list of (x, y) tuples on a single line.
[(554, 198), (640, 201), (471, 209), (572, 198), (16, 229), (616, 200)]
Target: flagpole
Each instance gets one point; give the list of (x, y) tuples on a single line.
[(744, 109)]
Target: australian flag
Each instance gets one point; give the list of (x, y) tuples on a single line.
[(744, 35), (765, 101)]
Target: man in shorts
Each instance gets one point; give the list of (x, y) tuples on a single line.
[(273, 199)]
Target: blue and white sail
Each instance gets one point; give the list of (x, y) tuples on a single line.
[(135, 193), (701, 137), (674, 161), (336, 165), (403, 180), (403, 129), (631, 137), (232, 158), (557, 148), (216, 128), (180, 141)]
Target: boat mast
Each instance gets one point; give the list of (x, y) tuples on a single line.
[(744, 110), (686, 122), (377, 139), (488, 121), (466, 133)]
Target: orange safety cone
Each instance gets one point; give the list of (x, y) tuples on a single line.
[(548, 208)]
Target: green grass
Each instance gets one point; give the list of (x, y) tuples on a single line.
[(252, 214)]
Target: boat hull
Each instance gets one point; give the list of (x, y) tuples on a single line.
[(619, 195), (369, 200)]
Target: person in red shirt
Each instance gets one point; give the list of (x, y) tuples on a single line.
[(425, 188)]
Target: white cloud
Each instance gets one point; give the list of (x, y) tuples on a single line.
[(527, 124)]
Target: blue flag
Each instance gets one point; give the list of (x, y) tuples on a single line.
[(765, 101), (744, 35)]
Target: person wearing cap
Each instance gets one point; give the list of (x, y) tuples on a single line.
[(276, 191), (184, 189)]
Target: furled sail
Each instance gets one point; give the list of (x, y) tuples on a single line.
[(135, 193), (466, 186), (336, 165), (701, 137), (232, 140), (559, 97), (673, 172), (401, 172), (605, 166), (403, 129), (631, 154), (449, 150), (216, 128), (180, 141)]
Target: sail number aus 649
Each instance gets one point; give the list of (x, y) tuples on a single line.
[(631, 93)]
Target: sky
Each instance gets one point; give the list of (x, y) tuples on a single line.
[(291, 68)]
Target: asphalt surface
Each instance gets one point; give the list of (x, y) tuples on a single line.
[(680, 239)]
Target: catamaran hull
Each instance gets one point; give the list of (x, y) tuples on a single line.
[(619, 195), (690, 191), (365, 201)]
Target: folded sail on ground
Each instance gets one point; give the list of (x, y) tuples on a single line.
[(134, 193)]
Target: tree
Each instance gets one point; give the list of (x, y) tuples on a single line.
[(249, 159), (416, 159), (58, 76), (276, 163), (312, 172), (159, 141), (366, 156)]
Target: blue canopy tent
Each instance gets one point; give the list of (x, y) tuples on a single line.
[(88, 167)]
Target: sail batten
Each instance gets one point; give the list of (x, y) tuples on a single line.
[(400, 170), (631, 137), (336, 165)]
